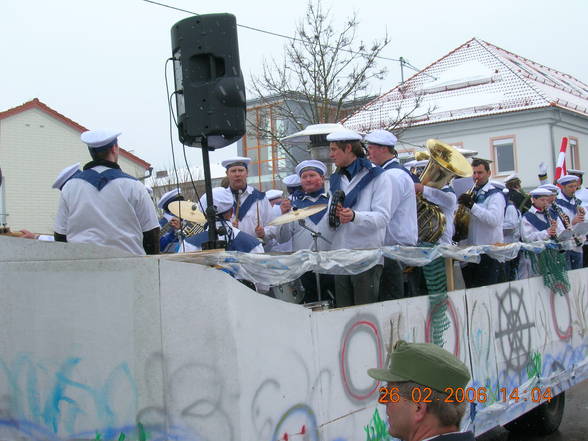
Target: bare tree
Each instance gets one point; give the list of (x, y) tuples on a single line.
[(323, 73)]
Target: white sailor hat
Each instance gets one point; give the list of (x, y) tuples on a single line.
[(167, 197), (538, 192), (274, 194), (292, 180), (311, 164), (512, 177), (567, 179), (550, 187), (498, 184), (237, 160), (99, 139), (65, 175), (222, 199), (381, 137), (575, 172), (343, 135)]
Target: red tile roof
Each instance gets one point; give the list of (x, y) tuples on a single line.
[(37, 104), (476, 79)]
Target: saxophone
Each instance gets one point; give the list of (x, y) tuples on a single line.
[(462, 219)]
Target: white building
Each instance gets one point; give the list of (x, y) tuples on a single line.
[(36, 143), (480, 97)]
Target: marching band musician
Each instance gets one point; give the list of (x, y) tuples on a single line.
[(519, 198), (402, 228), (275, 199), (312, 179), (511, 230), (169, 242), (252, 211), (582, 194), (363, 215), (64, 175), (486, 205), (105, 206), (292, 183), (537, 223), (236, 239), (573, 214)]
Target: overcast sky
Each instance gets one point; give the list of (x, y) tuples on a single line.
[(101, 63)]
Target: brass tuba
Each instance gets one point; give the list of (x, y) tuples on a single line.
[(445, 163)]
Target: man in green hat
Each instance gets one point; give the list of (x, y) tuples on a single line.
[(421, 380)]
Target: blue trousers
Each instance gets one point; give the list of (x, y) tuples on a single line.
[(574, 260)]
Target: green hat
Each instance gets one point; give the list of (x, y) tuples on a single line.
[(423, 363)]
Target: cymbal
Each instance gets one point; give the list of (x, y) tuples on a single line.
[(295, 215), (187, 210)]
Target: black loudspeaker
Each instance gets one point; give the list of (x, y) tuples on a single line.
[(210, 91)]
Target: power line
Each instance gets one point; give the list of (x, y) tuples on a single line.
[(275, 34)]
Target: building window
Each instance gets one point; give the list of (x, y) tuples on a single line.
[(573, 154), (504, 155)]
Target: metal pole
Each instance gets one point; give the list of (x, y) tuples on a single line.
[(210, 212)]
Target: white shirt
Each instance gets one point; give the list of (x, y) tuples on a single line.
[(486, 219), (511, 227), (403, 227), (372, 214), (582, 194), (447, 202), (530, 234), (571, 215), (300, 238), (116, 216), (249, 222)]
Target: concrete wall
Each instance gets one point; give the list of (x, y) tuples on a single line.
[(34, 148), (95, 344)]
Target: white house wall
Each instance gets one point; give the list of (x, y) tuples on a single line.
[(34, 148), (531, 130)]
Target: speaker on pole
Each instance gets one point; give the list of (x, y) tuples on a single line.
[(209, 86)]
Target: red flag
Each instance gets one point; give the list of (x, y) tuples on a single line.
[(560, 169)]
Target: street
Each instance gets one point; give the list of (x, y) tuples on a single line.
[(574, 426)]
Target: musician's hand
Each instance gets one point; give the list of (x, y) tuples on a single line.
[(175, 223), (578, 219), (26, 234), (285, 206), (418, 188), (552, 230), (345, 215), (466, 199), (259, 232)]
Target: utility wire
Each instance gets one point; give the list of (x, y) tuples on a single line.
[(275, 34)]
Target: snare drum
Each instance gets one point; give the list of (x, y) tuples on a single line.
[(291, 292)]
